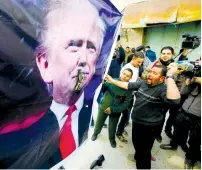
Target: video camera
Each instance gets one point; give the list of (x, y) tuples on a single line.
[(191, 42), (196, 69), (189, 69)]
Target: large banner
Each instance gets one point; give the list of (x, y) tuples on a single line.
[(53, 55)]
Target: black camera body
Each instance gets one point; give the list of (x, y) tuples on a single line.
[(196, 69), (190, 42)]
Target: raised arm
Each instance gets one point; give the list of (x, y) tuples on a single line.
[(172, 90), (123, 85)]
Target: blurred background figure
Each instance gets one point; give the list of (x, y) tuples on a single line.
[(150, 54)]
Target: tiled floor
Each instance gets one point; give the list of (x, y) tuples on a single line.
[(116, 158)]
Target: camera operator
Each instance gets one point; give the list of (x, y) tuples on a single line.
[(189, 119)]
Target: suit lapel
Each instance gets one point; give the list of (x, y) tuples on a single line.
[(84, 120)]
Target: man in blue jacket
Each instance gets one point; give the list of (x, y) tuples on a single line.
[(150, 54)]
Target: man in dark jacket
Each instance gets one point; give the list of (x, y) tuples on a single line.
[(115, 66), (188, 118), (150, 54), (147, 116), (115, 101)]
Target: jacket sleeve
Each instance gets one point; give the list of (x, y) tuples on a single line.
[(185, 90), (105, 85), (133, 86), (123, 106), (169, 101)]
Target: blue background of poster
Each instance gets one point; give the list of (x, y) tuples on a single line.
[(22, 91)]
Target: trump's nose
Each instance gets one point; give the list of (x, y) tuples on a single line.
[(82, 64)]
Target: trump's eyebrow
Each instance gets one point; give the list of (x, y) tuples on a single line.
[(75, 43), (79, 43)]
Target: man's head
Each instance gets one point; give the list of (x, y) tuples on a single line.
[(132, 50), (70, 46), (166, 55), (127, 49), (141, 48), (156, 75), (147, 48), (115, 54), (126, 75), (138, 59)]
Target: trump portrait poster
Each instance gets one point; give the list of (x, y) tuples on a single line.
[(53, 56)]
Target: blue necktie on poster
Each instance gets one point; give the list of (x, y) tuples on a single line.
[(51, 51)]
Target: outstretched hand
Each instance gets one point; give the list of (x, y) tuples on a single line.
[(108, 78)]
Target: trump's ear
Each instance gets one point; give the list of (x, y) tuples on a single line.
[(44, 69)]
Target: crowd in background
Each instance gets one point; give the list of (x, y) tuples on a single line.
[(137, 76)]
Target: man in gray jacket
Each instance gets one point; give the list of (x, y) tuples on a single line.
[(188, 119)]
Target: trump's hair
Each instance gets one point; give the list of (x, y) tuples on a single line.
[(56, 11)]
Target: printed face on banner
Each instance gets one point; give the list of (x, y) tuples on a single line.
[(50, 80), (74, 48)]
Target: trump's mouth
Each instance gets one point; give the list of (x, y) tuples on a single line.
[(81, 76)]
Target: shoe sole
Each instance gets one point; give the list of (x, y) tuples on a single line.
[(173, 149)]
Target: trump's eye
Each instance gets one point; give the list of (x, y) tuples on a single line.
[(78, 43), (74, 45), (91, 47)]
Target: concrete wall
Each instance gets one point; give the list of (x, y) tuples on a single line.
[(133, 37), (171, 35)]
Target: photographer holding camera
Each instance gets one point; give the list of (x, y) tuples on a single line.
[(189, 119)]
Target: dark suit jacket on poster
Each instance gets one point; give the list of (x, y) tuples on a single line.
[(38, 145)]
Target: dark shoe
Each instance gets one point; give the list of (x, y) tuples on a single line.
[(167, 147), (122, 138), (105, 125), (113, 143), (94, 137), (169, 134), (184, 147), (188, 164), (159, 139)]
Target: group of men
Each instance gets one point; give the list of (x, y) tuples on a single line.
[(66, 60), (155, 91)]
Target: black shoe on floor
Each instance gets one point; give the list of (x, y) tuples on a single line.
[(184, 147), (159, 139), (94, 137), (113, 143), (169, 134), (167, 147), (188, 164)]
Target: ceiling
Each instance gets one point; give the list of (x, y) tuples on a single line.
[(144, 13)]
